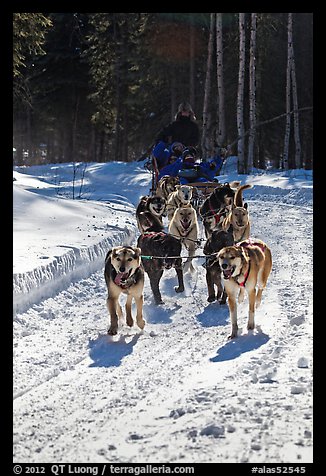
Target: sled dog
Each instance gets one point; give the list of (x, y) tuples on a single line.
[(184, 226), (245, 266), (216, 206), (149, 213), (238, 217), (166, 185), (181, 196), (124, 273), (218, 240), (160, 251)]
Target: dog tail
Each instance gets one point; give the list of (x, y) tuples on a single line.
[(238, 199)]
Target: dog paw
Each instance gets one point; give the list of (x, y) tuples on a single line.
[(233, 335), (250, 327), (211, 298), (141, 324), (130, 322), (112, 331), (179, 289)]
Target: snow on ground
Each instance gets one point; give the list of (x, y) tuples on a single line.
[(179, 391)]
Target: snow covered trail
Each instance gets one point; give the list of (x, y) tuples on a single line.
[(178, 391)]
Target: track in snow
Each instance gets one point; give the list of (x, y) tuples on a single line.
[(178, 391)]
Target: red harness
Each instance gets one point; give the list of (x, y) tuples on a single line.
[(216, 216), (247, 244)]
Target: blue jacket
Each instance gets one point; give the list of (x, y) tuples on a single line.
[(209, 169)]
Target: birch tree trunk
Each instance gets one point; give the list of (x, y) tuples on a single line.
[(252, 92), (296, 128), (206, 140), (240, 98), (220, 136), (288, 96)]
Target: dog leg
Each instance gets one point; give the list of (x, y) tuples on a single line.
[(232, 302), (139, 316), (112, 307), (188, 266), (129, 319), (223, 298), (241, 295), (251, 317), (179, 272), (155, 278), (210, 287)]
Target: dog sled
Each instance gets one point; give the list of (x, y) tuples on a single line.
[(201, 189)]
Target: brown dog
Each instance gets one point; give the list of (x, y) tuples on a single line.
[(124, 273), (238, 217), (246, 265)]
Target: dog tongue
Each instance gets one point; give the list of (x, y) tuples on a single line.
[(227, 273), (120, 277), (185, 224)]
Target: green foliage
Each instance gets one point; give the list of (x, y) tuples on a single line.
[(29, 30)]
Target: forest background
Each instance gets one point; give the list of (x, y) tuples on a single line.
[(98, 87)]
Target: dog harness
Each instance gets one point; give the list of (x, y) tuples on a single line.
[(249, 243), (217, 216)]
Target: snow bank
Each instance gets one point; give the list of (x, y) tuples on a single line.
[(58, 240), (47, 280)]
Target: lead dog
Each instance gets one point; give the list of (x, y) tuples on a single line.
[(184, 226), (245, 266), (124, 273), (160, 251)]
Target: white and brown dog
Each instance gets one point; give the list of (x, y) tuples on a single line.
[(245, 266), (124, 273), (181, 196), (238, 216), (184, 226)]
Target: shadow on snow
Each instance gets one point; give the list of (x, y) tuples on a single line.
[(107, 352), (214, 314), (242, 344)]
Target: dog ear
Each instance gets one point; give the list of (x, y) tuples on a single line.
[(137, 252), (108, 256)]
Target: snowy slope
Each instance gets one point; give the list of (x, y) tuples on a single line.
[(179, 391)]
